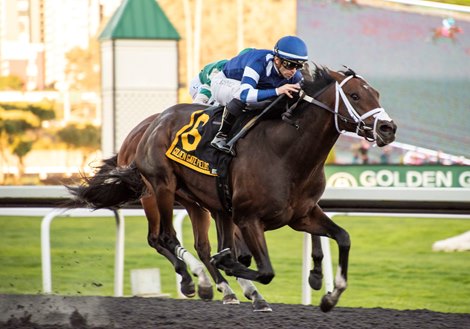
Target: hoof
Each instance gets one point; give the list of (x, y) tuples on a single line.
[(188, 289), (205, 293), (261, 306), (315, 280), (230, 299), (223, 261), (220, 256), (327, 303)]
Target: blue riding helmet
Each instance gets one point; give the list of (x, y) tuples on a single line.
[(291, 48)]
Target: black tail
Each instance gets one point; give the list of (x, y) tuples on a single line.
[(110, 187)]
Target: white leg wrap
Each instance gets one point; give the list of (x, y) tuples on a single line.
[(340, 282), (224, 288), (194, 264), (247, 286)]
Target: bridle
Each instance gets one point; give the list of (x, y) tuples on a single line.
[(354, 117)]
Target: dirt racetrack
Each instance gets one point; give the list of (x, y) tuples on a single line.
[(54, 312)]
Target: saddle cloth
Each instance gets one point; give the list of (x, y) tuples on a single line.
[(191, 145)]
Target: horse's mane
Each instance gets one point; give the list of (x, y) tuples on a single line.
[(316, 80), (320, 77)]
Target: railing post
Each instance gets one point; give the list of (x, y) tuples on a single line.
[(46, 250), (119, 256), (327, 264), (306, 266)]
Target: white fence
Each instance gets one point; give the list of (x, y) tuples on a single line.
[(429, 202), (433, 4)]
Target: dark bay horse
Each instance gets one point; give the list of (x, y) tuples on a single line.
[(179, 257), (276, 179)]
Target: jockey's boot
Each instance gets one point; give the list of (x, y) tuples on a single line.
[(220, 139)]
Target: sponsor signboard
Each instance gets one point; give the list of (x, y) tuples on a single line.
[(397, 176)]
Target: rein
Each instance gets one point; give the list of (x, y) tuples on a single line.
[(354, 117)]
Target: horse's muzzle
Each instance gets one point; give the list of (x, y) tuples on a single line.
[(385, 132)]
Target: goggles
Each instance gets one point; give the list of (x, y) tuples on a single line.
[(289, 65)]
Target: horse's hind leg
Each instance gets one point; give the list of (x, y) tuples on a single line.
[(200, 220), (154, 240), (253, 234), (320, 224)]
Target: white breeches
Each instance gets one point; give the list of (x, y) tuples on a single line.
[(224, 89), (194, 86)]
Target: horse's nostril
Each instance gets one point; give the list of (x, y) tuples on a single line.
[(385, 128), (388, 128)]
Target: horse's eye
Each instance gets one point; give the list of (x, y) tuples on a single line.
[(355, 97)]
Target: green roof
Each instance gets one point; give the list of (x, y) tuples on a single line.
[(139, 19)]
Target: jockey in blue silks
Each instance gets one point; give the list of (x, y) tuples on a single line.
[(254, 76)]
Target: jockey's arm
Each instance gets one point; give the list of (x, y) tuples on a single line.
[(249, 83)]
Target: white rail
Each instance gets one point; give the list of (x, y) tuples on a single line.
[(396, 200), (327, 263), (49, 214), (372, 194), (432, 4)]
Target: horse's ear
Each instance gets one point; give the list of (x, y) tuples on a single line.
[(307, 75), (349, 71)]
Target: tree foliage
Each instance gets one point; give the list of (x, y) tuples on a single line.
[(43, 111), (11, 82), (82, 68), (19, 124), (87, 139), (21, 149)]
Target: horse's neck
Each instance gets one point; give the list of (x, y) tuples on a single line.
[(312, 142), (318, 135)]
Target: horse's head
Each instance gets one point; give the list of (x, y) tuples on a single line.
[(356, 105)]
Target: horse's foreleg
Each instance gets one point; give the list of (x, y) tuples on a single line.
[(244, 255), (249, 289), (253, 234), (342, 239), (250, 292), (318, 223), (225, 259), (316, 275), (155, 241)]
